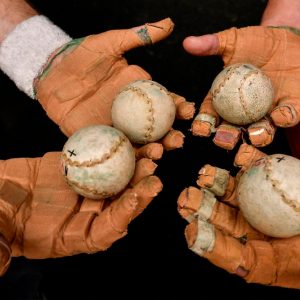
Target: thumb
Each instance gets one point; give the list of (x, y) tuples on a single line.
[(123, 40), (203, 45), (247, 155)]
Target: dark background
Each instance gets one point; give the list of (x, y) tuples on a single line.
[(152, 261)]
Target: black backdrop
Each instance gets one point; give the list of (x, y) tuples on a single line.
[(152, 261)]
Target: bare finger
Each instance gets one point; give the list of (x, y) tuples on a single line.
[(203, 45)]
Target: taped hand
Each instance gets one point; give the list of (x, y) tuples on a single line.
[(276, 51), (219, 232), (42, 218), (81, 79)]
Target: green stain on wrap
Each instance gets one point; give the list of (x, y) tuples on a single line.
[(144, 35), (289, 28), (73, 43)]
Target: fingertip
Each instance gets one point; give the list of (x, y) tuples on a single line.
[(149, 186), (188, 203), (144, 167), (261, 133), (200, 128), (147, 189), (227, 136), (166, 24), (203, 45), (129, 201), (152, 151), (191, 232), (156, 151), (246, 155), (186, 110), (285, 116), (174, 139)]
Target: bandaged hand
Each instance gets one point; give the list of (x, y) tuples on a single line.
[(276, 51), (76, 80), (80, 81), (218, 231), (42, 217)]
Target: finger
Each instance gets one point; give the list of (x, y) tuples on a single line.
[(144, 167), (184, 110), (96, 227), (146, 189), (89, 205), (219, 182), (261, 133), (109, 226), (174, 139), (5, 255), (201, 204), (207, 119), (231, 221), (202, 45), (153, 151), (126, 39), (195, 203), (255, 261), (227, 135), (246, 156), (286, 113)]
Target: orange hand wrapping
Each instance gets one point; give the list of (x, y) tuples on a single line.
[(42, 218), (81, 80), (276, 51), (219, 232)]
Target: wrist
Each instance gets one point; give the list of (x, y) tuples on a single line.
[(26, 49)]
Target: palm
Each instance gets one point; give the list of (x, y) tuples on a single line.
[(79, 84), (276, 52), (84, 96), (44, 218)]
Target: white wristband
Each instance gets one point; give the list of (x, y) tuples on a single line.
[(27, 48)]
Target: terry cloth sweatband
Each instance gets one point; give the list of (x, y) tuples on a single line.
[(27, 48)]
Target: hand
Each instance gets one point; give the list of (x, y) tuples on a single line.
[(276, 52), (219, 232), (79, 83), (42, 218)]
